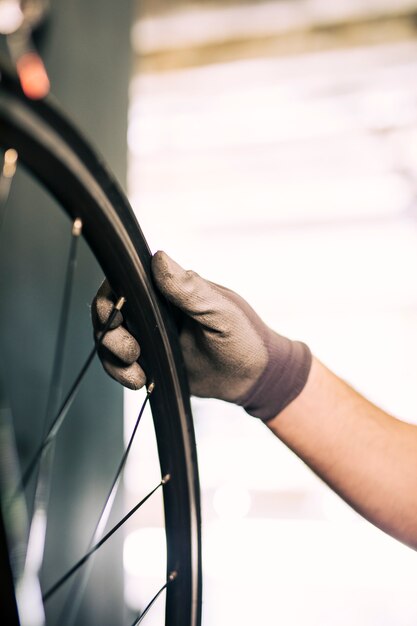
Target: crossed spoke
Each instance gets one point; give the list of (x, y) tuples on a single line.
[(72, 604), (52, 590)]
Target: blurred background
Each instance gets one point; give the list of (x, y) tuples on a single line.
[(273, 149)]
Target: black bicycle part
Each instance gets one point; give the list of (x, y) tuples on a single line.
[(60, 158)]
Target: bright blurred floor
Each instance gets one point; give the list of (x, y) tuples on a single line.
[(292, 181)]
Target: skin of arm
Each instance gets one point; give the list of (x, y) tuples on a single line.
[(365, 455)]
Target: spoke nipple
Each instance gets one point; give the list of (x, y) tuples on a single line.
[(77, 227), (151, 388), (172, 576), (10, 162), (119, 304), (166, 478)]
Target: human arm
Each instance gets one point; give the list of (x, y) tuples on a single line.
[(364, 454), (367, 456)]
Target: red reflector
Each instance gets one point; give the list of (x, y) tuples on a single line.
[(32, 75)]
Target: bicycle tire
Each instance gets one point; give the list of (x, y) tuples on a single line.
[(61, 159)]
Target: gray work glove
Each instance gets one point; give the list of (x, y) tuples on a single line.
[(229, 352), (118, 349)]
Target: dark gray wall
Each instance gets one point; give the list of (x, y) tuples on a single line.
[(85, 45)]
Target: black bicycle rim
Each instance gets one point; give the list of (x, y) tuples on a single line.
[(58, 156)]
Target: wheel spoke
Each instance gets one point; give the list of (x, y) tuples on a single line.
[(140, 617), (67, 403), (101, 523), (73, 601), (102, 541), (55, 386), (37, 530)]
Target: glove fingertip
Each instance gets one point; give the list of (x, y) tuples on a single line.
[(101, 309), (132, 377), (121, 344), (160, 267)]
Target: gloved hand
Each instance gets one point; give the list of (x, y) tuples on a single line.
[(118, 350), (229, 352)]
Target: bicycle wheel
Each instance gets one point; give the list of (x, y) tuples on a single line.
[(57, 156)]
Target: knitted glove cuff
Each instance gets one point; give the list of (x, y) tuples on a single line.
[(283, 379)]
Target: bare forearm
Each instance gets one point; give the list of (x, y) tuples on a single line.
[(364, 454)]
